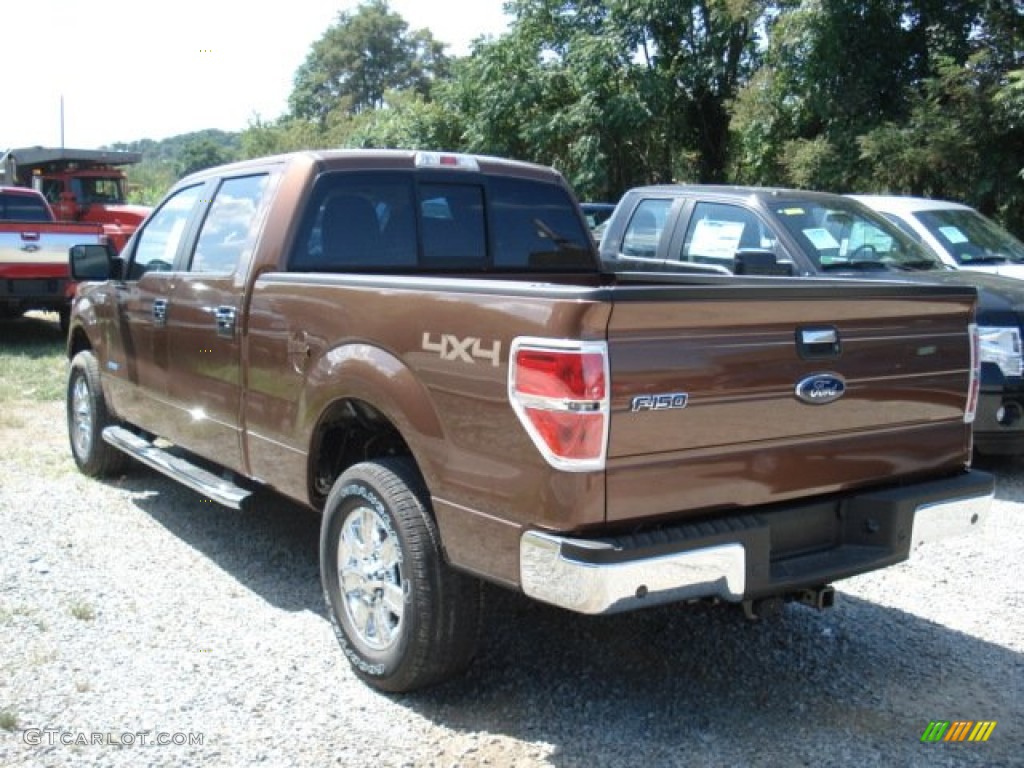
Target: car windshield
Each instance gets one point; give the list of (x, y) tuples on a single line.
[(842, 236), (98, 189), (971, 238)]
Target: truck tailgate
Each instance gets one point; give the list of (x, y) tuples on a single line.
[(35, 244), (706, 410)]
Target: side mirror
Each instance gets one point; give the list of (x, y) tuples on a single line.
[(93, 262), (754, 261)]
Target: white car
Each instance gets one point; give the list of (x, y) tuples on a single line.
[(961, 236)]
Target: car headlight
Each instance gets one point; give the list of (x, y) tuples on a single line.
[(1002, 347)]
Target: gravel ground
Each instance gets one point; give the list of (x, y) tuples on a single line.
[(132, 611)]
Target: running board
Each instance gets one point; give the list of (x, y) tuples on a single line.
[(198, 479)]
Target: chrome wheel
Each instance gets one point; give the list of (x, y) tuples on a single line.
[(371, 579), (82, 415), (404, 618)]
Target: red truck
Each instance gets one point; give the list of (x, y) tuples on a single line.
[(424, 348), (34, 254), (81, 185)]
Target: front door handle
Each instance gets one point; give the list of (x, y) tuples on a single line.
[(160, 312), (225, 321)]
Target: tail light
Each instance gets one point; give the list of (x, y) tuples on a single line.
[(559, 391), (974, 383)]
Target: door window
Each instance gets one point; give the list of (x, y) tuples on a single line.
[(231, 226), (718, 231), (158, 242), (644, 229)]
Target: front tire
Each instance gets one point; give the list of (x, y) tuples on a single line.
[(87, 417), (403, 617)]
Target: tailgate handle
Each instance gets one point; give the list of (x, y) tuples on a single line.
[(818, 343)]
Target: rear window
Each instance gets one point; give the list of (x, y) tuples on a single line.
[(394, 222), (15, 207)]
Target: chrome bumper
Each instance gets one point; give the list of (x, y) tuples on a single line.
[(550, 575), (949, 519), (596, 576)]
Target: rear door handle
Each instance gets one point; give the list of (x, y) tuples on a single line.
[(225, 321), (159, 311)]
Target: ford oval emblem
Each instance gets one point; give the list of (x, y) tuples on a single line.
[(821, 388)]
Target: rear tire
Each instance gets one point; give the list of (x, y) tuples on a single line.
[(403, 617), (88, 417)]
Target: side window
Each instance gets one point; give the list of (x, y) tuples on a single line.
[(718, 231), (229, 232), (452, 218), (158, 242), (644, 229), (535, 226), (358, 221)]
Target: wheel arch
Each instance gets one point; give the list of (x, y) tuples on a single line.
[(78, 341), (368, 404)]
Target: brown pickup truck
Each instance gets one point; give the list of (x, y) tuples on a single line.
[(424, 347)]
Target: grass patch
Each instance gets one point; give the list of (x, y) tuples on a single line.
[(82, 611), (8, 720), (33, 367)]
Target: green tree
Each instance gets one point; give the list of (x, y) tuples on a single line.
[(288, 134), (901, 96), (410, 121), (612, 93), (149, 180), (832, 70), (199, 154), (359, 59)]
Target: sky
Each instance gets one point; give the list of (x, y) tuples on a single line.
[(130, 70)]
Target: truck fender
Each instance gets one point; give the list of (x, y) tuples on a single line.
[(378, 378)]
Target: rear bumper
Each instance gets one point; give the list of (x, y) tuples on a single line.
[(999, 424), (36, 293), (755, 554)]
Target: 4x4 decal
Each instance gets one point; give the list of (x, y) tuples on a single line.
[(468, 350)]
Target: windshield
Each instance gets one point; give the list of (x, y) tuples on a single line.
[(971, 238), (96, 189), (841, 235)]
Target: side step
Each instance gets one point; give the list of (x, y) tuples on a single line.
[(198, 479)]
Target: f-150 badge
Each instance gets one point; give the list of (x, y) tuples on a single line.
[(664, 402), (821, 388), (468, 350)]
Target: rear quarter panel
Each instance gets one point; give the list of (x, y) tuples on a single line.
[(403, 346)]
